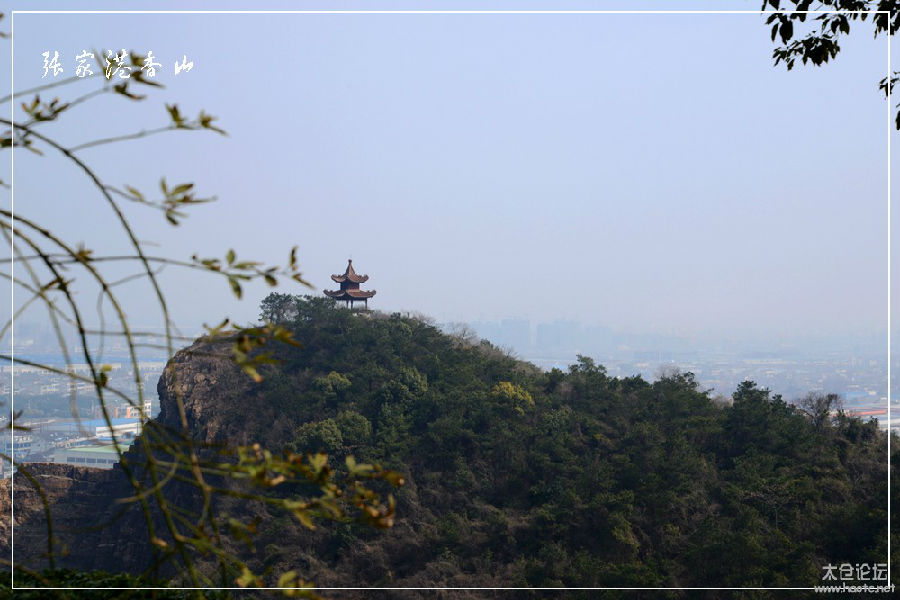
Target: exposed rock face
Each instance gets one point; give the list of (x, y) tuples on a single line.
[(79, 498), (203, 378), (92, 527)]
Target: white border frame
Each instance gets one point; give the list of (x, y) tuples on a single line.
[(441, 12)]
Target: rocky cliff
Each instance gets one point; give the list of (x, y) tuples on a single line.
[(93, 524), (221, 405), (79, 500)]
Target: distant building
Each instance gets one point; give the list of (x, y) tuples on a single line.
[(128, 411), (17, 446), (97, 428), (350, 292), (559, 336), (97, 456)]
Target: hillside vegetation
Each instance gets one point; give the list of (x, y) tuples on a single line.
[(513, 476), (526, 478)]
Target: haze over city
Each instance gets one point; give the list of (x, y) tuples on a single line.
[(516, 299), (650, 174)]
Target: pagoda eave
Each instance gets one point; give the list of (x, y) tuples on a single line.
[(349, 294), (352, 277)]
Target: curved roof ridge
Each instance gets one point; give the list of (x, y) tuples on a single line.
[(350, 274), (348, 294)]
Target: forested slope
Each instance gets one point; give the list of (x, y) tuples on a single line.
[(521, 477), (518, 477)]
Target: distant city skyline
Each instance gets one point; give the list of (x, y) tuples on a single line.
[(646, 173), (856, 368), (856, 371)]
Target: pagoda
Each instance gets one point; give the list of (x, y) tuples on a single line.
[(350, 291)]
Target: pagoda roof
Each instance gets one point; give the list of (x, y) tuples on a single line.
[(350, 275), (349, 294)]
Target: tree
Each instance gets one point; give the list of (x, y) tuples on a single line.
[(333, 385), (514, 396), (57, 274), (277, 308), (821, 44), (819, 407), (321, 436), (355, 429)]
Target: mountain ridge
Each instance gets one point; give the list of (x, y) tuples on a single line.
[(518, 477)]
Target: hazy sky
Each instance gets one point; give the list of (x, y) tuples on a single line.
[(645, 172)]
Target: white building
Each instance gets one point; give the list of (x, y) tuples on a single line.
[(97, 456)]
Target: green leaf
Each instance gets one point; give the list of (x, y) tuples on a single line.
[(101, 379), (177, 119), (305, 519), (287, 579), (252, 372), (393, 478), (235, 286), (318, 462), (248, 579), (134, 192)]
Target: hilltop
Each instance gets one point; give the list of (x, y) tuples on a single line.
[(519, 477)]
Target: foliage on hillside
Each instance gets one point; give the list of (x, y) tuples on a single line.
[(522, 477), (124, 587)]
